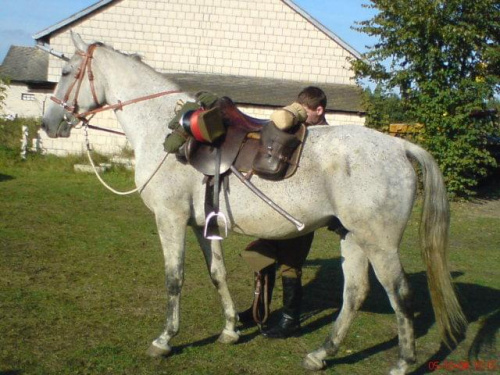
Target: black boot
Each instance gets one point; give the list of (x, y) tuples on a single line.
[(246, 317), (289, 324)]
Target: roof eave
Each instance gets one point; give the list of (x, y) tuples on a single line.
[(71, 19), (33, 82), (323, 28)]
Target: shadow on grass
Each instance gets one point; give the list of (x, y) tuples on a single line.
[(11, 372), (5, 177), (178, 349), (480, 303), (489, 189), (244, 338), (325, 292)]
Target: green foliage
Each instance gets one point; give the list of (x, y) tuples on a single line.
[(11, 132), (444, 58), (10, 148), (83, 288), (4, 82), (383, 109)]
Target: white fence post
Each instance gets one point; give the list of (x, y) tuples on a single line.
[(24, 142), (37, 143)]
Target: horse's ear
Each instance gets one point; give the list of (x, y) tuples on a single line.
[(78, 42)]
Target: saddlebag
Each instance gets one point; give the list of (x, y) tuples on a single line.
[(275, 152)]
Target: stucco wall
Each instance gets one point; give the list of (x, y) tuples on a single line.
[(16, 106)]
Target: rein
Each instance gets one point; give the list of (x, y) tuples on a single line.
[(86, 66)]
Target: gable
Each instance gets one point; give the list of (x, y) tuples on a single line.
[(256, 38)]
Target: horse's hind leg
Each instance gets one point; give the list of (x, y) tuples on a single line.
[(390, 273), (212, 250), (356, 286)]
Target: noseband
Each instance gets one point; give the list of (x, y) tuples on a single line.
[(86, 66)]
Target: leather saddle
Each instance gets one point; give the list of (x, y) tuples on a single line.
[(238, 147)]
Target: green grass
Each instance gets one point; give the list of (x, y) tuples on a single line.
[(82, 288)]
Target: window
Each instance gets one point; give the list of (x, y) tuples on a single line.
[(30, 97)]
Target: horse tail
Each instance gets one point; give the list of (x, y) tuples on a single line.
[(434, 227)]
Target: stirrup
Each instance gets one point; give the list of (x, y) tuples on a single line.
[(215, 215)]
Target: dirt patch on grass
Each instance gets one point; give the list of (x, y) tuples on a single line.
[(485, 208), (487, 202)]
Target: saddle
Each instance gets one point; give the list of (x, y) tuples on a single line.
[(250, 144)]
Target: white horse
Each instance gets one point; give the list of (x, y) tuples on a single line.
[(361, 177)]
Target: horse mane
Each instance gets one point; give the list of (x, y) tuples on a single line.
[(136, 59), (134, 56)]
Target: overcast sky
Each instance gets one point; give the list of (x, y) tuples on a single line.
[(21, 19)]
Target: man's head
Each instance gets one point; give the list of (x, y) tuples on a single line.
[(313, 99)]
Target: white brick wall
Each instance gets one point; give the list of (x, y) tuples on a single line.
[(261, 38)]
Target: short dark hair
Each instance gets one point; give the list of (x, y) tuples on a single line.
[(312, 97)]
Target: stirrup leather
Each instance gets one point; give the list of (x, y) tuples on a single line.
[(260, 306)]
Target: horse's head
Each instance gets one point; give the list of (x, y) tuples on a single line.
[(76, 93)]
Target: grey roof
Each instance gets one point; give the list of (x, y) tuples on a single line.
[(25, 64), (98, 5), (269, 92)]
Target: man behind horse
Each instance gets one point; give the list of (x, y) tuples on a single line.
[(289, 255)]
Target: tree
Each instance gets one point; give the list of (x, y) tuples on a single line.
[(383, 109), (444, 58)]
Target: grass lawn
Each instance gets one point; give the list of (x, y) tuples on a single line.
[(82, 288)]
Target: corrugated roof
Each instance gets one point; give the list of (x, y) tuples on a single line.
[(25, 64), (269, 92)]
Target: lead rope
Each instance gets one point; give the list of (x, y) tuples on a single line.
[(140, 190)]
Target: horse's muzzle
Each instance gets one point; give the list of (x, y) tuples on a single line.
[(62, 130)]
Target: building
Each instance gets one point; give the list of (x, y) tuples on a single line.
[(258, 52), (28, 90)]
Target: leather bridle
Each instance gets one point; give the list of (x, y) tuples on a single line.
[(72, 110), (86, 66)]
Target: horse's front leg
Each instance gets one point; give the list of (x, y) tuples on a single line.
[(172, 231), (212, 250)]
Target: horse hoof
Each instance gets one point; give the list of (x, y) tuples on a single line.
[(312, 363), (401, 367), (228, 337), (156, 352)]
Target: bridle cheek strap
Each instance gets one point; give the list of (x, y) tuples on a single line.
[(85, 66)]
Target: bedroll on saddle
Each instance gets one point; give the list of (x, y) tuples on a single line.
[(205, 126)]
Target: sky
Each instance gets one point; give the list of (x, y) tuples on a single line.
[(21, 19)]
